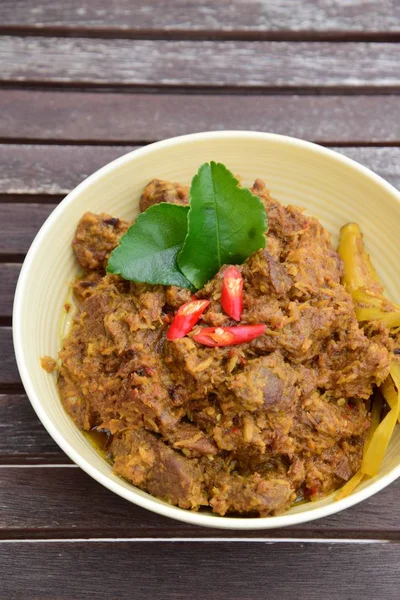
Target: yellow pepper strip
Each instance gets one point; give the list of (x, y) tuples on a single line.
[(352, 483), (389, 391), (391, 319), (375, 420), (361, 280), (361, 296), (380, 440), (350, 486), (359, 271), (366, 298)]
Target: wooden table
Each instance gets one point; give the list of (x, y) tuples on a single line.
[(85, 81)]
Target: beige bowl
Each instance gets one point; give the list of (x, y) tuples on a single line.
[(331, 187)]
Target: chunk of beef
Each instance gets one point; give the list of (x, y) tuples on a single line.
[(148, 405), (283, 222), (251, 495), (134, 317), (351, 365), (143, 459), (176, 296), (87, 285), (379, 332), (191, 440), (48, 364), (266, 275), (301, 330), (267, 310), (312, 263), (302, 242), (76, 403), (265, 382), (95, 238), (163, 191), (109, 362), (327, 471), (198, 369), (328, 418)]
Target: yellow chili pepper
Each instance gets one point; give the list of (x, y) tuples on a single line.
[(350, 486), (359, 271), (391, 319), (389, 391), (361, 280), (380, 439)]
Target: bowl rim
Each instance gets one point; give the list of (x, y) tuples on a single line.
[(148, 502)]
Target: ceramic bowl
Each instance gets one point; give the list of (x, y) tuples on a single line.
[(328, 185)]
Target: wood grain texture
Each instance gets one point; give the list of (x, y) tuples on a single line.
[(23, 438), (19, 224), (259, 16), (189, 63), (69, 493), (8, 276), (8, 372), (130, 118), (35, 169), (178, 571)]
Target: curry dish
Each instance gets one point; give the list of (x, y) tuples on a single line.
[(248, 428)]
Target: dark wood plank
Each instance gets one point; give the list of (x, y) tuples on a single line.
[(8, 277), (22, 222), (178, 571), (8, 372), (59, 498), (35, 169), (190, 15), (23, 438), (190, 63), (130, 118)]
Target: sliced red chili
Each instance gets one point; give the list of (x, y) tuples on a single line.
[(186, 318), (228, 336), (232, 293)]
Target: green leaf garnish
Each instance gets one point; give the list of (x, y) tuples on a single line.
[(148, 250), (226, 224), (176, 245)]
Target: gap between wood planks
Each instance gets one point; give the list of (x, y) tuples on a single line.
[(195, 89), (175, 540), (39, 466), (42, 198), (200, 35), (188, 89)]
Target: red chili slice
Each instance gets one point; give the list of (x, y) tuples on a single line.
[(228, 336), (232, 293), (186, 318)]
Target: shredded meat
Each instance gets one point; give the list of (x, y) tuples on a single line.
[(143, 459), (96, 237), (163, 191), (48, 364), (242, 429)]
